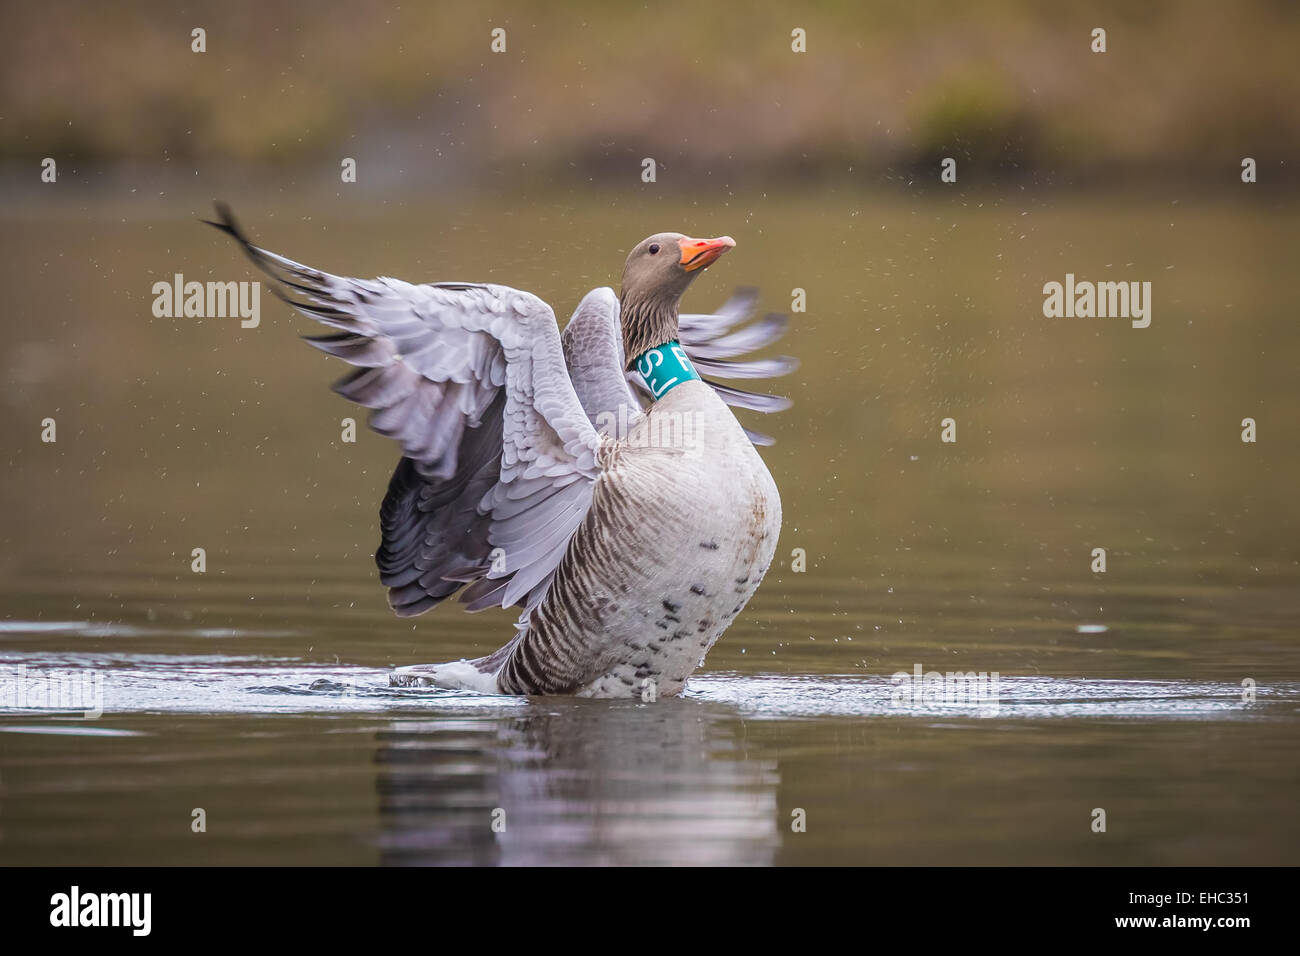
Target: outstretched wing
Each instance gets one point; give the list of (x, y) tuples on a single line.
[(593, 351), (499, 457), (716, 342)]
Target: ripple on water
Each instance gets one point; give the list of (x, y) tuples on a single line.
[(109, 629), (245, 684)]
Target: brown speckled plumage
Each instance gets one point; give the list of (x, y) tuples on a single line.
[(637, 597)]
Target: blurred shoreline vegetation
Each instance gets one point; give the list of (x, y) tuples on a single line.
[(586, 89)]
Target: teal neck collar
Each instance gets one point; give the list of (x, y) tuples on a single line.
[(664, 367)]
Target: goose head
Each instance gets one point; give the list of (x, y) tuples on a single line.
[(658, 271)]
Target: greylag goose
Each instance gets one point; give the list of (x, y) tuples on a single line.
[(533, 476)]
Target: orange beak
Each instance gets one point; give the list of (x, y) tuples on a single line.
[(699, 253)]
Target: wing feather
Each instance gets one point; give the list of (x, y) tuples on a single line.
[(593, 352), (499, 457)]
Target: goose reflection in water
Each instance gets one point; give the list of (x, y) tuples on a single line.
[(584, 782)]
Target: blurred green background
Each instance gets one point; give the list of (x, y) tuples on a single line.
[(586, 89)]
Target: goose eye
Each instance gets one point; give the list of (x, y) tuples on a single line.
[(654, 248)]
